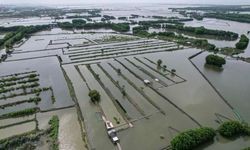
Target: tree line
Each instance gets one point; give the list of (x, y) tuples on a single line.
[(17, 33), (81, 24), (191, 139)]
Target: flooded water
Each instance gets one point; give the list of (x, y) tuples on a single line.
[(158, 112), (95, 128), (50, 75), (70, 137), (201, 97), (222, 143), (17, 129), (217, 24), (233, 82), (106, 103), (10, 121)]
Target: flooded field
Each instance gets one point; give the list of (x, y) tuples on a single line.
[(233, 77), (226, 25), (17, 129), (150, 89), (70, 132), (52, 77)]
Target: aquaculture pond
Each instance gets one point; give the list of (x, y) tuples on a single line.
[(50, 75), (68, 138), (232, 82), (158, 105)]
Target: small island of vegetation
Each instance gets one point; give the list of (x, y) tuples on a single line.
[(220, 34), (17, 33), (192, 138), (233, 128), (243, 43), (215, 60), (95, 96)]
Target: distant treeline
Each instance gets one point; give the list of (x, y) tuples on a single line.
[(229, 16), (226, 35), (52, 12), (170, 21), (245, 18), (81, 24), (171, 36), (85, 17), (17, 33), (221, 8)]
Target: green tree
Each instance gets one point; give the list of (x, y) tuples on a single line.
[(159, 62), (243, 43), (215, 60), (164, 68), (192, 138), (231, 128), (95, 96), (173, 71)]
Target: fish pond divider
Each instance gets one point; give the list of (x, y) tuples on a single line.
[(146, 72), (163, 96), (109, 57), (225, 101), (109, 93), (140, 91), (120, 88), (161, 68), (85, 136), (17, 123)]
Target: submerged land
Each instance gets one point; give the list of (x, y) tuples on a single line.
[(171, 79)]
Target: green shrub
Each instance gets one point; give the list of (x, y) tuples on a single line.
[(54, 130), (231, 129), (243, 43), (192, 138), (215, 60), (94, 96), (20, 113)]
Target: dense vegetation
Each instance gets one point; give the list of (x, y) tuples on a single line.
[(119, 27), (171, 36), (157, 22), (233, 128), (78, 23), (243, 43), (20, 113), (141, 31), (215, 60), (122, 18), (107, 18), (17, 33), (95, 96), (229, 16), (227, 12), (54, 130), (18, 141), (22, 12), (15, 78), (35, 100), (85, 17), (217, 8), (192, 138), (226, 35)]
